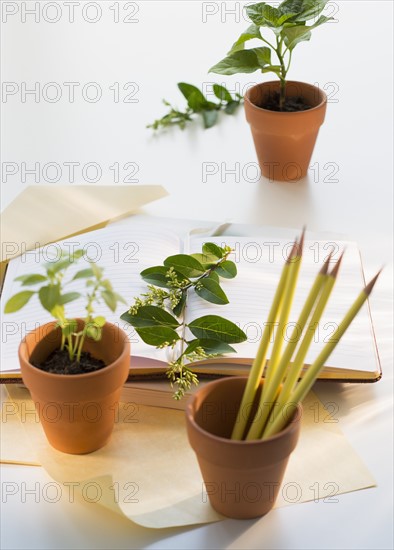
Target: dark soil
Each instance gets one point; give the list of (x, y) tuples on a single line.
[(292, 104), (59, 362)]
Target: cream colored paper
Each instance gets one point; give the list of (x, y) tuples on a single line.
[(149, 473), (42, 214)]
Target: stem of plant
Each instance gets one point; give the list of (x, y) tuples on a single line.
[(283, 73)]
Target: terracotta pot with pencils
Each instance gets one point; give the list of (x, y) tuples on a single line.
[(285, 116), (243, 430)]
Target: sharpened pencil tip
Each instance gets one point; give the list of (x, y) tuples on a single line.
[(335, 269), (371, 284), (301, 245), (324, 268), (293, 252)]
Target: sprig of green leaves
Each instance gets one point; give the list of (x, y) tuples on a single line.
[(288, 25), (198, 104), (53, 297), (158, 315)]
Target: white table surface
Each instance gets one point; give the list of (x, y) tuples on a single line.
[(179, 41)]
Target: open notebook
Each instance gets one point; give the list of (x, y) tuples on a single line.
[(124, 250)]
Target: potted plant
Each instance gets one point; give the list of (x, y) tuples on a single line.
[(74, 368), (285, 116)]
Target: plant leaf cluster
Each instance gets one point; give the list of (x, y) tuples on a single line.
[(288, 24), (50, 288), (158, 315), (198, 104)]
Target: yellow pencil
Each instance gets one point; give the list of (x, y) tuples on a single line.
[(313, 371), (257, 367), (296, 257), (296, 367), (274, 384)]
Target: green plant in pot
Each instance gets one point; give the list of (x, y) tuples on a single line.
[(285, 116), (74, 367)]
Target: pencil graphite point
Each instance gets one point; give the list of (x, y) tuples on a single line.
[(335, 269), (301, 245), (371, 284), (293, 252), (324, 267)]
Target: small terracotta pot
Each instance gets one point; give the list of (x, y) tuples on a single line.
[(77, 411), (241, 478), (284, 142)]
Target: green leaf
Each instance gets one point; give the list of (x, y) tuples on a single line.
[(156, 275), (49, 296), (197, 104), (83, 274), (206, 260), (178, 309), (211, 291), (296, 34), (222, 93), (150, 316), (227, 269), (217, 328), (157, 336), (214, 249), (244, 61), (209, 346), (253, 31), (99, 321), (231, 107), (302, 10), (69, 297), (16, 302), (184, 264), (210, 118), (263, 56), (97, 271), (32, 279), (110, 299), (188, 90), (214, 276), (93, 331), (263, 14)]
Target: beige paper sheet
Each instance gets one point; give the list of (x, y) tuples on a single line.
[(43, 213), (149, 473)]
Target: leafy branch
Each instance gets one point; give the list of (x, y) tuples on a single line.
[(287, 22), (158, 315), (53, 298), (198, 104)]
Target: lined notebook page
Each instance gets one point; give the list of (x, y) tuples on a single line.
[(259, 264), (123, 251)]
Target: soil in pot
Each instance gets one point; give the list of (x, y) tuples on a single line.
[(292, 103), (58, 362)]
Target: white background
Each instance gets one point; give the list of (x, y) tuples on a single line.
[(348, 190)]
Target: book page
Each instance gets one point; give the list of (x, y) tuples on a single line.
[(259, 263), (123, 250)]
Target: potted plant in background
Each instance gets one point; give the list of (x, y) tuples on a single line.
[(285, 116), (74, 368)]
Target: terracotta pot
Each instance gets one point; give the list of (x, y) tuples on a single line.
[(284, 142), (77, 411), (241, 478)]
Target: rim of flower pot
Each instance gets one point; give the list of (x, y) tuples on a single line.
[(110, 366), (190, 416), (285, 113)]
